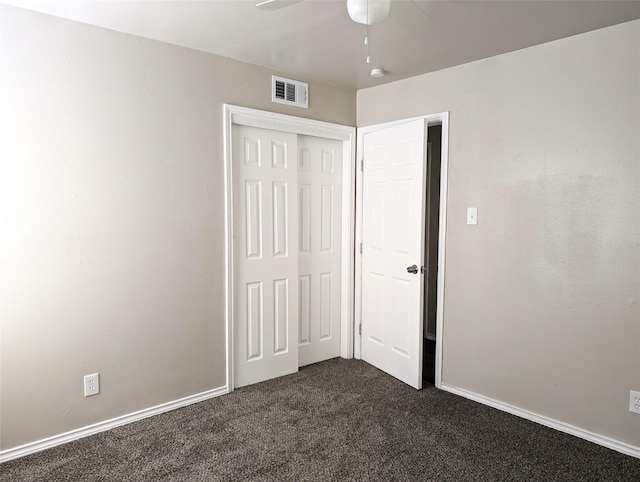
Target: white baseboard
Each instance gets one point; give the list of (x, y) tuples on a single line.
[(610, 443), (49, 442)]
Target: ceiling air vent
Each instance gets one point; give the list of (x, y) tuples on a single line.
[(292, 92)]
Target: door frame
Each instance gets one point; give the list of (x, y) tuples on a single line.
[(439, 118), (235, 115)]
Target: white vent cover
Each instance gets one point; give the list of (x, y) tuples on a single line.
[(292, 92)]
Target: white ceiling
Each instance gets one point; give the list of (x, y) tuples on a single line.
[(315, 39)]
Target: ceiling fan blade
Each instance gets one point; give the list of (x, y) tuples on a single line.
[(407, 14), (275, 4)]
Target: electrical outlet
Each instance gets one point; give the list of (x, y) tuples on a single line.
[(634, 401), (91, 384)]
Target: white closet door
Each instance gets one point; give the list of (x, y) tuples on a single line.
[(265, 238), (393, 240), (319, 247)]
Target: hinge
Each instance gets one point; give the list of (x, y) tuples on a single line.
[(362, 165), (360, 329), (360, 248)]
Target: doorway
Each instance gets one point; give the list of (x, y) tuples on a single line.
[(289, 277), (432, 214)]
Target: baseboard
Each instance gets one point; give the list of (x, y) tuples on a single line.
[(610, 443), (49, 442)]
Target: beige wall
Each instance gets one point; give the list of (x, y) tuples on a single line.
[(112, 218), (542, 298)]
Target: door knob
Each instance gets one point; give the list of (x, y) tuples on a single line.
[(412, 269)]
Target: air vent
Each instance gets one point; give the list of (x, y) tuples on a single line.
[(292, 92)]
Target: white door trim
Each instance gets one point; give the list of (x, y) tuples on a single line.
[(296, 125), (440, 118)]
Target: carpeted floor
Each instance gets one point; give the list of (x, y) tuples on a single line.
[(336, 420)]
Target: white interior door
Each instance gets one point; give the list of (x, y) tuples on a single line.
[(319, 248), (265, 236), (392, 242)]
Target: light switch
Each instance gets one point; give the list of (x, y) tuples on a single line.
[(472, 216)]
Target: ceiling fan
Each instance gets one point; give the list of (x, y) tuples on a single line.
[(368, 12)]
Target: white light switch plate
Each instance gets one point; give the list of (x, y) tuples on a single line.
[(472, 216)]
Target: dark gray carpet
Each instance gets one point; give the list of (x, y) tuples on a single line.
[(336, 420)]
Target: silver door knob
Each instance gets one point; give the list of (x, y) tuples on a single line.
[(412, 269)]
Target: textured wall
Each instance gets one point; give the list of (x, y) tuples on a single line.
[(112, 218), (542, 300)]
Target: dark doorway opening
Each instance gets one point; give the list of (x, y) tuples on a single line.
[(434, 149)]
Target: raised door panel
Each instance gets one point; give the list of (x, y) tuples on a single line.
[(253, 218), (304, 310), (254, 320), (304, 225), (280, 316), (280, 228)]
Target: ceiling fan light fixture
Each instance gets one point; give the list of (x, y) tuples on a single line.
[(368, 12)]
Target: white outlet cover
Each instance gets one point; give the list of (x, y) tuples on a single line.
[(634, 402), (91, 384)]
